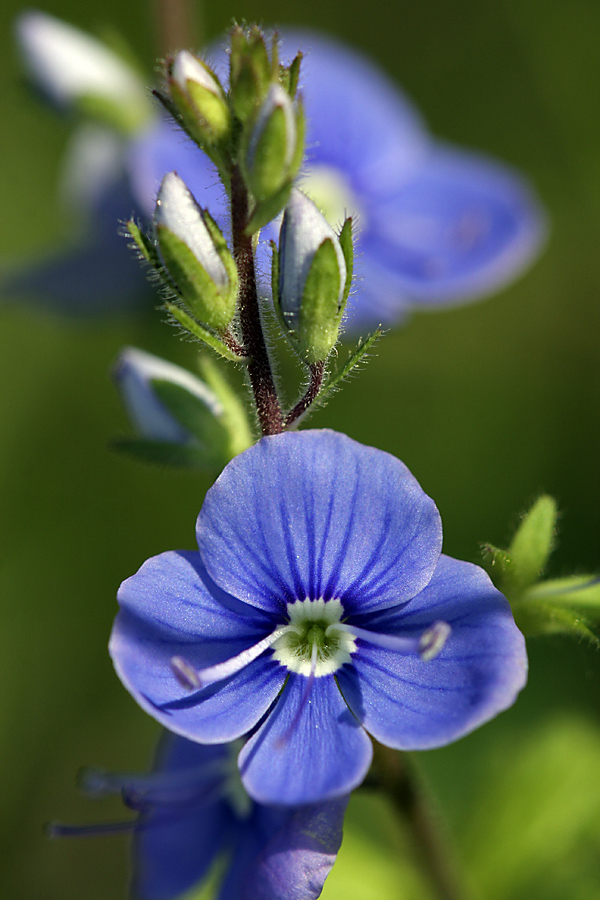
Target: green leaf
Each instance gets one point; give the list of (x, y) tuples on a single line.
[(203, 334)]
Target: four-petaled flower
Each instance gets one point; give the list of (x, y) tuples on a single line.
[(193, 808), (318, 608)]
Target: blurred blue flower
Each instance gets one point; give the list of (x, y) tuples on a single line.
[(317, 608), (193, 808), (436, 225)]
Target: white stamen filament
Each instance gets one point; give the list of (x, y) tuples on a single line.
[(193, 679), (427, 645)]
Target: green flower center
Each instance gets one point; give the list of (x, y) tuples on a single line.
[(312, 641)]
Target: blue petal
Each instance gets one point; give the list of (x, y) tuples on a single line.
[(285, 854), (315, 514), (461, 228), (412, 704), (306, 753), (167, 611), (175, 845)]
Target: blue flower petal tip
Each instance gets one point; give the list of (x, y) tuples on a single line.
[(317, 611)]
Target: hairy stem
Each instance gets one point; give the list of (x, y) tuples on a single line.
[(317, 370), (398, 779), (259, 367)]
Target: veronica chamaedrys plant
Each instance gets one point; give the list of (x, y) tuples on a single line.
[(317, 609), (192, 809)]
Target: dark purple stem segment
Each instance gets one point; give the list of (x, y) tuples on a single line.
[(259, 368), (397, 778), (317, 370)]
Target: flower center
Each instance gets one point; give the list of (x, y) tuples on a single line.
[(313, 643), (329, 190)]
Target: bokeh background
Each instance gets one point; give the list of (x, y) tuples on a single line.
[(488, 405)]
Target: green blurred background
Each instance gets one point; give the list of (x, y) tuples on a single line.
[(488, 405)]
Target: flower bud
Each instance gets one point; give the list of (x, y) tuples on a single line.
[(199, 98), (137, 374), (195, 254), (74, 70), (250, 70), (311, 287), (272, 158)]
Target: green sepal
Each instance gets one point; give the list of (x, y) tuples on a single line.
[(234, 416), (197, 288), (189, 324), (145, 245), (223, 252), (531, 546), (298, 155), (188, 123), (495, 558), (266, 211), (319, 315), (289, 77), (356, 357), (125, 118), (193, 415), (250, 71), (347, 244), (269, 168), (164, 453), (212, 108)]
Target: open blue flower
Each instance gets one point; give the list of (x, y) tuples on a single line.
[(193, 808), (317, 608)]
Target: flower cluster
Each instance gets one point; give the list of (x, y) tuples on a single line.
[(436, 224)]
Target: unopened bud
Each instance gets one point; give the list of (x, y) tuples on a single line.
[(275, 145), (195, 254), (74, 70), (199, 98), (312, 278)]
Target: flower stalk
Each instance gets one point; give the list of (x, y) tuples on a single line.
[(397, 778)]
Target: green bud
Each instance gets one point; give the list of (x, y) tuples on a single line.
[(195, 254), (199, 99), (250, 71), (271, 158), (312, 279)]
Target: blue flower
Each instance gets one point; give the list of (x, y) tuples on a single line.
[(436, 225), (192, 809), (318, 608)]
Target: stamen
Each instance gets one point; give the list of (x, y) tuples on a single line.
[(427, 645), (193, 679), (138, 791), (59, 830)]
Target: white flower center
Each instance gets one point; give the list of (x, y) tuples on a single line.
[(329, 190), (313, 642)]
